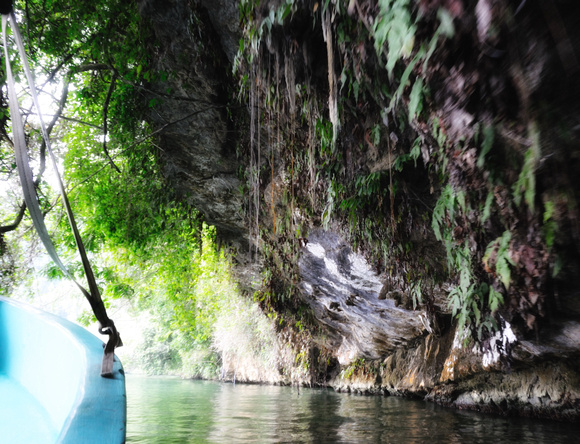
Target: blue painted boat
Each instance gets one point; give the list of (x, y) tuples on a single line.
[(51, 390)]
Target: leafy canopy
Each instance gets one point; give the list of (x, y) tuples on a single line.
[(148, 246)]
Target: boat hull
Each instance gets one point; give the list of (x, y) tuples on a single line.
[(50, 382)]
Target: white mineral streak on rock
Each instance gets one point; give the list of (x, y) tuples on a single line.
[(333, 284), (498, 345), (315, 249), (449, 368), (425, 322), (343, 290), (448, 373), (333, 269), (458, 339), (364, 276), (346, 353)]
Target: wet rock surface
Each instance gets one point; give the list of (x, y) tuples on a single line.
[(386, 348), (438, 369), (547, 390), (225, 17), (195, 135), (344, 293)]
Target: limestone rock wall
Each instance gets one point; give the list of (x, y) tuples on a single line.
[(383, 337), (389, 349), (189, 109)]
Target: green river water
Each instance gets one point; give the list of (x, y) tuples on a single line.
[(168, 410)]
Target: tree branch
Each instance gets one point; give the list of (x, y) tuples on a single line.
[(82, 122), (105, 109), (49, 129), (14, 225), (168, 96), (42, 168), (143, 139), (67, 59), (89, 67)]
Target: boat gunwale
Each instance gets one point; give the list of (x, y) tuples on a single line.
[(98, 411)]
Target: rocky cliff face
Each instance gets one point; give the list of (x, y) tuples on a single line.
[(388, 196), (386, 346), (347, 296), (188, 108)]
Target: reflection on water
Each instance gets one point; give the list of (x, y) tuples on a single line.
[(163, 410)]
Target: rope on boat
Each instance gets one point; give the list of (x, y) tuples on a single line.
[(107, 325)]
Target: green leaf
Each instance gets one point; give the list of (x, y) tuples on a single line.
[(404, 80), (495, 299), (487, 143), (549, 210), (464, 279), (415, 99), (558, 265), (503, 271), (446, 23), (487, 207), (416, 150), (460, 199), (526, 184), (476, 311), (376, 132)]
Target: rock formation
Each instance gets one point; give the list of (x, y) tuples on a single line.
[(422, 206)]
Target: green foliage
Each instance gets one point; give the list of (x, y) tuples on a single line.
[(395, 28), (447, 205), (156, 357), (185, 282), (498, 252), (349, 371), (7, 268), (252, 34), (417, 292), (191, 276), (549, 226), (324, 133), (404, 82), (486, 144), (462, 293), (526, 184), (149, 247), (200, 363), (98, 50), (330, 167), (416, 99), (438, 133), (401, 160), (368, 190), (495, 300), (334, 191), (472, 304), (486, 212)]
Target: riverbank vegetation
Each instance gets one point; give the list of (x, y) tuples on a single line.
[(149, 246)]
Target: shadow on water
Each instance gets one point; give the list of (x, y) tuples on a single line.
[(250, 413), (167, 410)]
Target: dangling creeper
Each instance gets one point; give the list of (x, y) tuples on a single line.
[(107, 326)]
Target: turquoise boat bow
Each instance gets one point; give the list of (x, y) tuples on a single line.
[(51, 390)]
